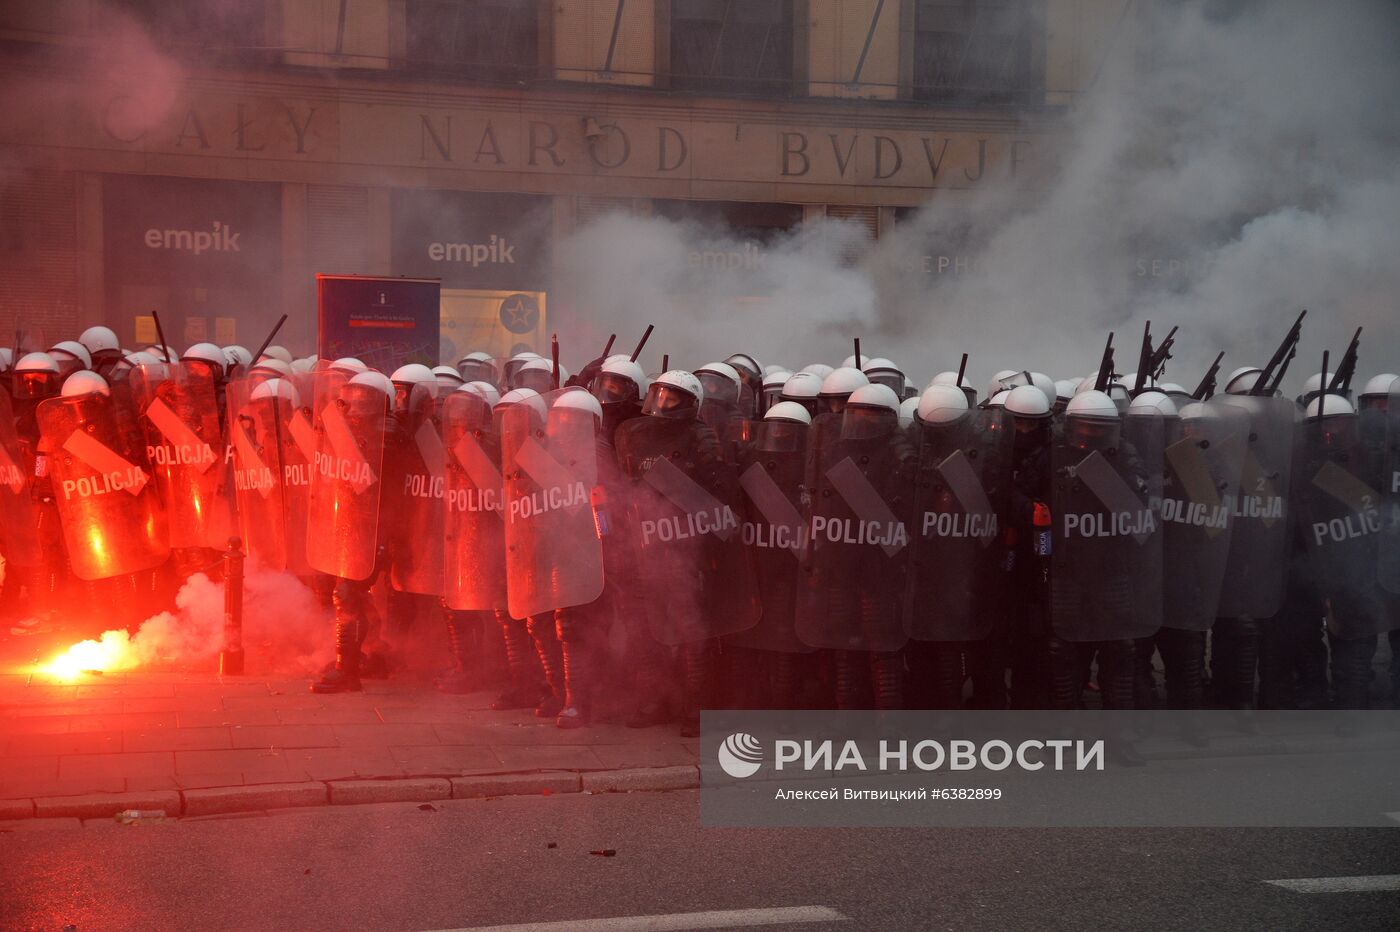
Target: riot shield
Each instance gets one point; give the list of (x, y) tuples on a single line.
[(549, 467), (298, 461), (415, 489), (1203, 460), (342, 530), (1144, 444), (19, 521), (474, 549), (1388, 549), (693, 577), (258, 421), (1106, 536), (185, 446), (960, 492), (772, 461), (851, 595), (1341, 517), (1256, 570), (113, 523)]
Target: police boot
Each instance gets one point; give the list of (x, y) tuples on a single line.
[(946, 673), (551, 655), (1184, 660), (887, 670), (852, 680), (462, 635), (695, 664), (1276, 668), (1144, 677), (523, 690), (1351, 670), (574, 714), (1243, 637), (346, 675), (785, 681), (1116, 674), (1066, 674)]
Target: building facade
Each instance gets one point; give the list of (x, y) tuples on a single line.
[(207, 159)]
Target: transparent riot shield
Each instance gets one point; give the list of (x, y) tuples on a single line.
[(258, 419), (342, 530), (185, 446), (1256, 571), (693, 579), (1341, 518), (298, 461), (1143, 448), (416, 485), (1106, 536), (1203, 461), (1388, 548), (474, 549), (19, 521), (549, 467), (774, 531), (860, 476), (960, 494), (112, 519)]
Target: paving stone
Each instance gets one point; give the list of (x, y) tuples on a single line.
[(257, 797), (282, 736), (345, 792), (92, 742), (211, 718), (178, 739), (446, 759), (87, 766), (384, 736), (339, 763), (336, 715), (571, 757), (244, 760), (627, 756)]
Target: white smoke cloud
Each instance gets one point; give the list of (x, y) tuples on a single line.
[(1247, 147), (284, 629)]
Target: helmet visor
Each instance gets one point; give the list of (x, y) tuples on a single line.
[(668, 401), (718, 387), (612, 388)]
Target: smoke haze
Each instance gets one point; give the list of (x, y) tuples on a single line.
[(1232, 164)]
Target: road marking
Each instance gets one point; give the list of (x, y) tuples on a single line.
[(670, 922), (1393, 816), (1376, 884)]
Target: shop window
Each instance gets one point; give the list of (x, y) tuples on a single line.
[(732, 46), (977, 52), (486, 40)]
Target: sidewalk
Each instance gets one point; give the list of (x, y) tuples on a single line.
[(198, 743)]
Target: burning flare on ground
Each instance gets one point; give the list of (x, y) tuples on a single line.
[(112, 652)]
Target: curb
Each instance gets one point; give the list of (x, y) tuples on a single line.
[(260, 797)]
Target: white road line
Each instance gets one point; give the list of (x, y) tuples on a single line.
[(1393, 816), (1377, 884), (670, 922)]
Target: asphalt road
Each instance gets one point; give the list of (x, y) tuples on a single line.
[(477, 863)]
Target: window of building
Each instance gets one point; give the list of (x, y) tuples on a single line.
[(732, 46), (487, 40), (978, 52), (203, 26)]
